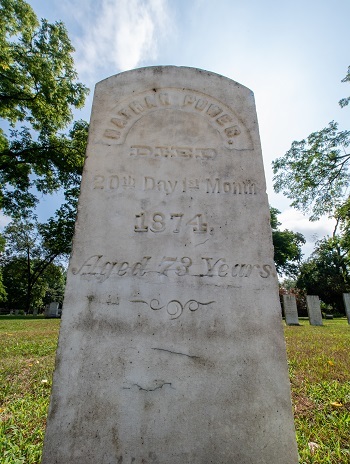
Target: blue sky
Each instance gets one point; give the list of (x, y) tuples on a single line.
[(292, 54)]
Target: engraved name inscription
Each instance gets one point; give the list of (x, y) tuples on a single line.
[(222, 118), (101, 268), (174, 308), (210, 185)]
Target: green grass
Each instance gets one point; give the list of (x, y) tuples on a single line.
[(27, 349), (319, 364), (319, 367)]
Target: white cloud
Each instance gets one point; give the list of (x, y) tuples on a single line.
[(294, 220), (120, 34)]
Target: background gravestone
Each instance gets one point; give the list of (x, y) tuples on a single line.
[(346, 298), (314, 309), (171, 348), (52, 309), (290, 310)]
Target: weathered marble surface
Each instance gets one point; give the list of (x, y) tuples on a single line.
[(171, 348), (346, 298), (290, 310), (314, 309)]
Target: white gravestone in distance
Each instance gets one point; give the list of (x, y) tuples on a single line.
[(346, 298), (314, 309), (171, 348), (290, 310), (52, 310)]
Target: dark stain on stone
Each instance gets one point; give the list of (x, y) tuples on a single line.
[(115, 440), (153, 457)]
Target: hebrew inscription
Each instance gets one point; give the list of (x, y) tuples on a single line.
[(185, 153)]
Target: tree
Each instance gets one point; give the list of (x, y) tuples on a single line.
[(326, 272), (51, 163), (48, 287), (3, 293), (55, 281), (33, 252), (314, 173), (38, 90), (287, 247), (37, 69)]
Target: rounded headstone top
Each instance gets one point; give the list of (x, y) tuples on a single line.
[(170, 70), (130, 95)]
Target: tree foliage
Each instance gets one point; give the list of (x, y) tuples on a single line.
[(38, 80), (48, 287), (32, 254), (345, 101), (50, 163), (314, 173), (287, 247), (326, 272), (3, 293), (39, 153), (38, 90)]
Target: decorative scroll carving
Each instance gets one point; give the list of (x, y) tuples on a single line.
[(174, 307)]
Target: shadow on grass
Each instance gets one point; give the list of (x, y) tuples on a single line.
[(18, 317)]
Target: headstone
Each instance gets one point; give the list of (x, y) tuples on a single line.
[(171, 348), (314, 309), (52, 309), (346, 298), (290, 310)]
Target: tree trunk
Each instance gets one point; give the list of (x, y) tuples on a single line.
[(29, 287)]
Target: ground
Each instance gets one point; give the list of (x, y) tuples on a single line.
[(319, 366)]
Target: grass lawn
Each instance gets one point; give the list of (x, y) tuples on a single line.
[(319, 362), (319, 367)]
